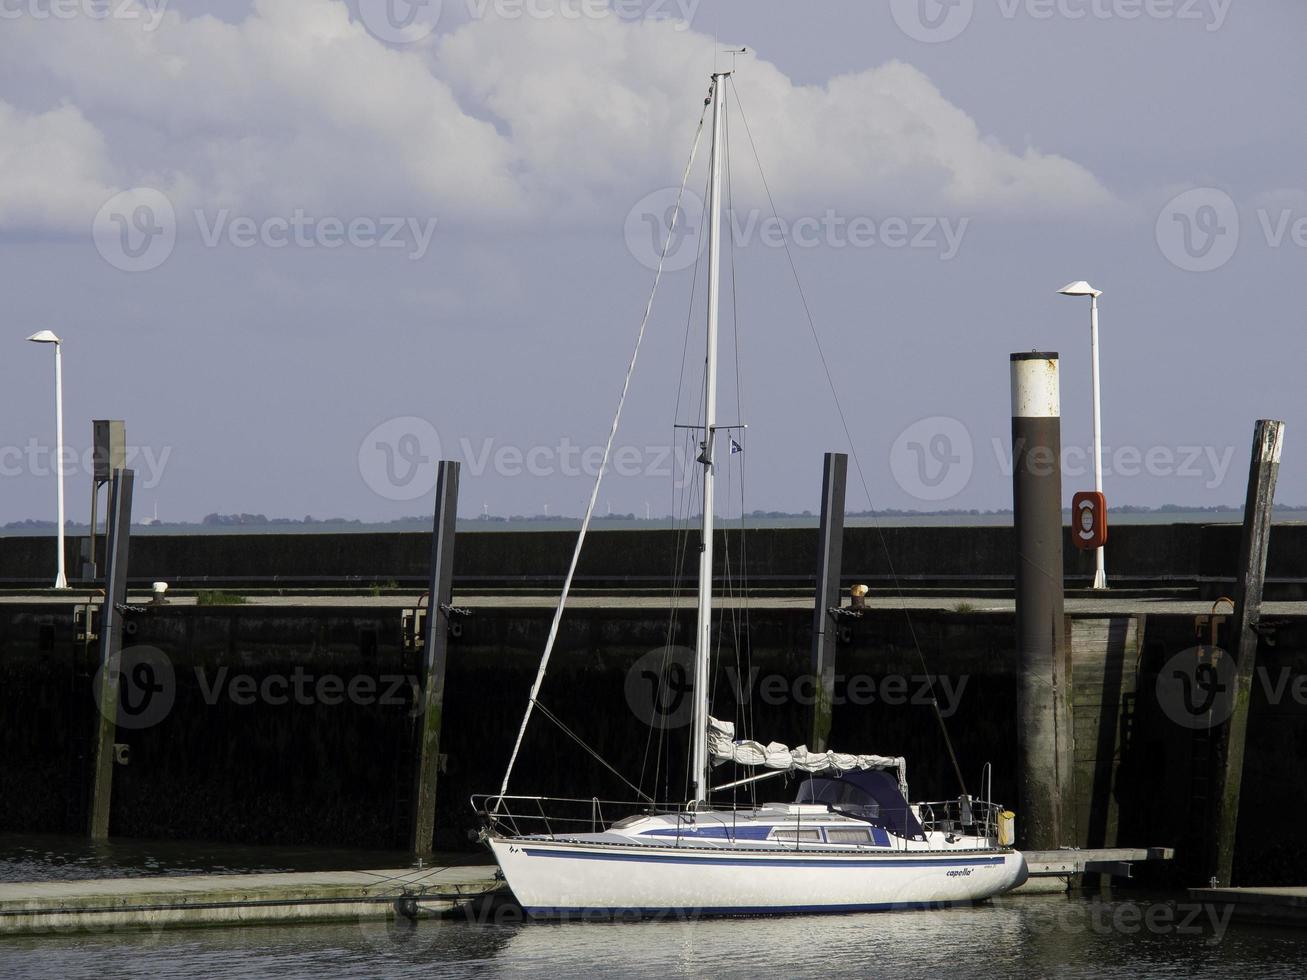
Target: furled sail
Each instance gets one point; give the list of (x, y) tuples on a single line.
[(723, 747)]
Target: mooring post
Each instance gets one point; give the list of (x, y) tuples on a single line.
[(111, 648), (1044, 730), (825, 631), (435, 656), (1268, 440)]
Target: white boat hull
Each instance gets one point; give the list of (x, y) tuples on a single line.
[(560, 878)]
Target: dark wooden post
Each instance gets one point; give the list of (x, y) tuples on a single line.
[(435, 657), (111, 647), (1268, 440), (825, 635)]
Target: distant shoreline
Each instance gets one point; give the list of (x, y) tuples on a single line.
[(255, 524)]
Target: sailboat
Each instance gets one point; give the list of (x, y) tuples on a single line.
[(849, 841)]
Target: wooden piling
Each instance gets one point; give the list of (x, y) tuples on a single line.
[(435, 655), (1044, 729), (111, 643), (825, 632), (1264, 467)]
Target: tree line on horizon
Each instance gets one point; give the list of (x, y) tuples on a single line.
[(262, 520)]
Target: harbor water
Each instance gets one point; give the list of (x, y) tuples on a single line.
[(1122, 934)]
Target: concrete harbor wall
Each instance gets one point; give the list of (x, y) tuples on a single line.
[(292, 725), (1199, 556)]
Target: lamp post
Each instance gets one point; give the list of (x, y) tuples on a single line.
[(1082, 288), (48, 337)]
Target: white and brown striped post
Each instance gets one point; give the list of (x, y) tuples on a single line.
[(1044, 731)]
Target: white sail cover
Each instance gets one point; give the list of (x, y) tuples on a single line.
[(723, 747)]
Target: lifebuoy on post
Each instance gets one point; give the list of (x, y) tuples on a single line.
[(1089, 520)]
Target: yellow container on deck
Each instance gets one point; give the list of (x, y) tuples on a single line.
[(1007, 828)]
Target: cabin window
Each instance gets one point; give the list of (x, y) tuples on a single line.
[(848, 835), (789, 833)]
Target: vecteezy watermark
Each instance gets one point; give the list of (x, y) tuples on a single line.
[(1198, 230), (400, 21), (1196, 687), (305, 688), (659, 685), (1201, 229), (410, 21), (936, 21), (1127, 918), (932, 21), (395, 938), (861, 690), (932, 459), (137, 230), (397, 459), (147, 687), (658, 221), (655, 222), (39, 460), (1210, 464), (1210, 14), (149, 13)]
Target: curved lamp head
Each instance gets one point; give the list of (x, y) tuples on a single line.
[(1080, 288), (44, 337)]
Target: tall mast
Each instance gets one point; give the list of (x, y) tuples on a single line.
[(703, 644)]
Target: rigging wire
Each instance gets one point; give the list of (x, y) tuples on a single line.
[(743, 651), (692, 483), (746, 712), (830, 380), (581, 742), (533, 700), (680, 537)]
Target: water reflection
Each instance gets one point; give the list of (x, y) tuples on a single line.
[(1015, 937), (1083, 936)]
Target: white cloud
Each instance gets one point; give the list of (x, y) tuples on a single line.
[(50, 167), (297, 106), (605, 103)]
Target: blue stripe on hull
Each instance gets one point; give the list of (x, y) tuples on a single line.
[(727, 861)]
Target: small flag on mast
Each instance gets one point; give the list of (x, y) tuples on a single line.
[(736, 447)]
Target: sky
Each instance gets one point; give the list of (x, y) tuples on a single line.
[(304, 248)]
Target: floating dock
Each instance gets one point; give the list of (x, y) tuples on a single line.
[(1276, 906), (1051, 871), (239, 899)]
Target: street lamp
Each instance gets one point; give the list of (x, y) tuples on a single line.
[(48, 337), (1082, 288)]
